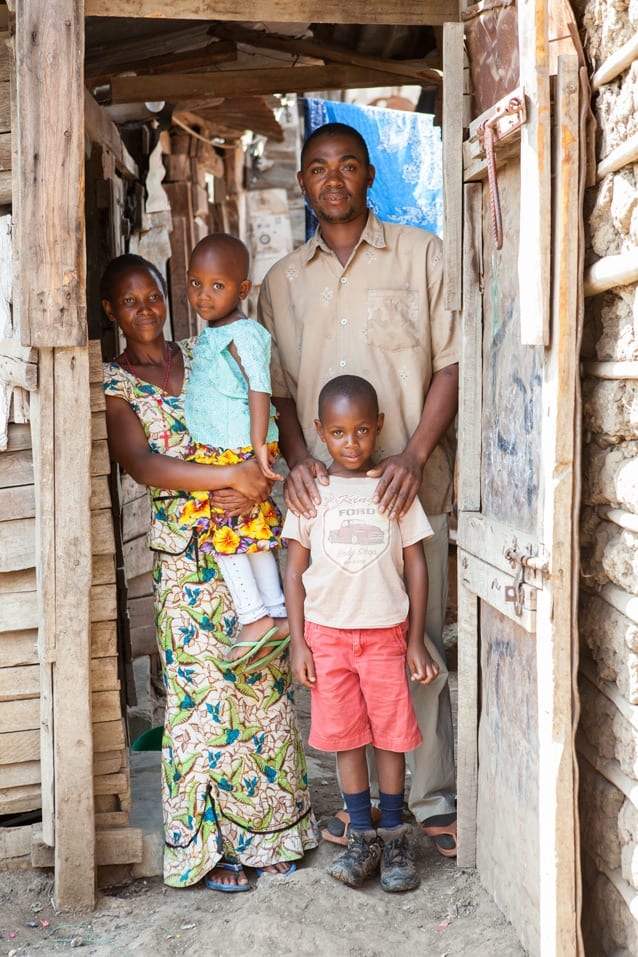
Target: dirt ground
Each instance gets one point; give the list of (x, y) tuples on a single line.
[(308, 913)]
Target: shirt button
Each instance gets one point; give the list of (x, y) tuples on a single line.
[(343, 279), (343, 363), (344, 322)]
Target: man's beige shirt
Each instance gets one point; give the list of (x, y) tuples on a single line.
[(381, 317)]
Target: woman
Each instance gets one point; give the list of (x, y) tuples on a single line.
[(234, 784)]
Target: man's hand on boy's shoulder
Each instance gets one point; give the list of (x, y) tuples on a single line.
[(399, 481), (301, 494)]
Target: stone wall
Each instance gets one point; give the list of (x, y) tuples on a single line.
[(608, 733)]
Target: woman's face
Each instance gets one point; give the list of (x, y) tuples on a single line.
[(137, 305)]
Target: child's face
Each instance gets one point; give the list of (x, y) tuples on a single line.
[(349, 427), (216, 285), (137, 305)]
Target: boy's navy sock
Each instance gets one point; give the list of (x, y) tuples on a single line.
[(359, 808), (391, 809)]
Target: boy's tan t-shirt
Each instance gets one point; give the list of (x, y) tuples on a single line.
[(355, 577)]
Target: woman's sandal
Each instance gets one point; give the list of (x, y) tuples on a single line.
[(227, 888), (443, 835), (262, 872), (267, 640)]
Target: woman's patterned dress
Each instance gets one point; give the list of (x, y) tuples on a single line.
[(234, 781)]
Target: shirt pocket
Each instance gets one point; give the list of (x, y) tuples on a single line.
[(393, 319)]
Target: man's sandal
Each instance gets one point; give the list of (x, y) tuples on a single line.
[(336, 829), (227, 888), (443, 834), (247, 661)]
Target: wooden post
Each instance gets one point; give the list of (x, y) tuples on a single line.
[(453, 63), (535, 208), (557, 647), (49, 216)]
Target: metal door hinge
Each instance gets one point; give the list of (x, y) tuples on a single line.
[(532, 567)]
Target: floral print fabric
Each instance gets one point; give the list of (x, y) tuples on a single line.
[(234, 781), (224, 534)]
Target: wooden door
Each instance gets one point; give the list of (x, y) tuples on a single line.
[(518, 422)]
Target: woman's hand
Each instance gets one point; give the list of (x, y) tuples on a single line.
[(249, 481), (231, 502)]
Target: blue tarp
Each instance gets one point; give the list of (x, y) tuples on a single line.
[(405, 149)]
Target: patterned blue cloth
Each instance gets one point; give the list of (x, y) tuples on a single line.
[(405, 149), (216, 404)]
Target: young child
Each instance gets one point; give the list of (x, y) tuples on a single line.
[(352, 626), (230, 417)]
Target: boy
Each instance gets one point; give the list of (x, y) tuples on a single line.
[(347, 608)]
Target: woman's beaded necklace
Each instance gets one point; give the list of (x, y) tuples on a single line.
[(169, 359)]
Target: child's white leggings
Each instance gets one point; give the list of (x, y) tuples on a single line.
[(254, 585)]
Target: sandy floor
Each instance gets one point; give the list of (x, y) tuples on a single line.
[(307, 913)]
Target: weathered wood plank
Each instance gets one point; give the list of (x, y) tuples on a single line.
[(104, 674), (17, 545), (18, 363), (73, 739), (49, 50), (17, 582), (453, 64), (19, 611), (98, 399), (361, 11), (98, 426), (100, 492), (101, 129), (109, 735), (17, 502), (20, 682), (18, 648), (103, 569), (5, 107), (100, 461), (108, 762), (42, 412), (15, 842), (103, 604), (19, 775), (182, 87), (115, 845), (535, 211), (19, 436), (18, 747), (16, 468), (138, 559), (5, 151), (106, 706), (16, 800), (21, 715), (140, 586), (103, 640), (468, 715), (557, 646), (102, 534), (136, 518)]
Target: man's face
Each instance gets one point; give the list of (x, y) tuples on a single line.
[(335, 177)]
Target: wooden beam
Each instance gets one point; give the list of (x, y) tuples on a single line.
[(190, 86), (411, 72), (219, 51), (101, 129), (453, 57), (535, 206), (49, 208), (399, 12), (18, 364), (49, 173), (557, 646)]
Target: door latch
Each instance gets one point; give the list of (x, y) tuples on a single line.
[(531, 569)]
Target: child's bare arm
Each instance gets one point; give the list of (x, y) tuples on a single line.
[(421, 665), (259, 408), (297, 562)]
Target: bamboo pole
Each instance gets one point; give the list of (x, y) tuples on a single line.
[(615, 64), (610, 271)]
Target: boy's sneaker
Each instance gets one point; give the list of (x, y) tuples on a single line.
[(361, 860), (398, 871)]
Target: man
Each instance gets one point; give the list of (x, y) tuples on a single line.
[(363, 297)]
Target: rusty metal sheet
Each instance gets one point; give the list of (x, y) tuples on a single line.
[(491, 36)]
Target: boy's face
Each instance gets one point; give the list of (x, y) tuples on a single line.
[(137, 305), (216, 285), (335, 178), (349, 427)]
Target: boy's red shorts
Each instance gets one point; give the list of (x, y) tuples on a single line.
[(361, 695)]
